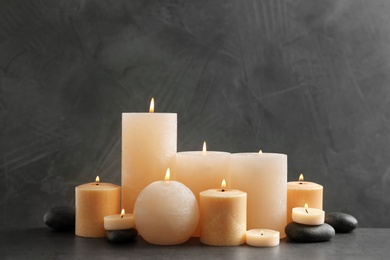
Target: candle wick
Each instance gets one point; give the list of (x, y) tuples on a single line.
[(122, 216), (223, 190), (300, 183), (97, 183), (307, 211)]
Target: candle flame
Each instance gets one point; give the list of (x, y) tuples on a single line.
[(260, 152), (97, 179), (151, 108), (301, 177), (167, 175), (306, 208), (122, 213), (223, 185), (204, 147)]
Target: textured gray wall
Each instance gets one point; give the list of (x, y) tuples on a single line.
[(306, 78)]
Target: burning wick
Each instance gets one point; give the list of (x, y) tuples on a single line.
[(223, 185), (301, 178), (97, 180)]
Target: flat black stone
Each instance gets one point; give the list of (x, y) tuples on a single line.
[(60, 218), (306, 233), (121, 236), (341, 222)]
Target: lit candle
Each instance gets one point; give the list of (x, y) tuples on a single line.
[(308, 216), (202, 170), (262, 237), (119, 221), (166, 212), (264, 177), (223, 216), (148, 148), (301, 192), (94, 201)]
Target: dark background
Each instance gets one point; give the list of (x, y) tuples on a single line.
[(306, 78)]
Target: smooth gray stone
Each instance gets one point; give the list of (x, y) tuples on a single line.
[(307, 233), (341, 222), (60, 218), (121, 236)]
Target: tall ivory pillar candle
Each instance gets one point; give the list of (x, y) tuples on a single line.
[(263, 176), (201, 170), (148, 148), (223, 217), (301, 192), (94, 201)]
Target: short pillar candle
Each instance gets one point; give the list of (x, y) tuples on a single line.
[(223, 217), (94, 201), (301, 192)]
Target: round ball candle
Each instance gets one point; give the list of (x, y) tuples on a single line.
[(201, 170), (222, 217), (94, 201), (119, 221), (301, 192), (264, 177), (262, 237), (166, 212), (308, 216), (148, 148)]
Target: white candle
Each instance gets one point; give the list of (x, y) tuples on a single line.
[(119, 221), (308, 216), (202, 170), (223, 217), (148, 148), (166, 212), (264, 177), (262, 237)]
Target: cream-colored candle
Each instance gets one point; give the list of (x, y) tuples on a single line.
[(166, 212), (119, 221), (301, 192), (223, 217), (308, 216), (202, 170), (262, 237), (94, 201), (148, 148), (264, 177)]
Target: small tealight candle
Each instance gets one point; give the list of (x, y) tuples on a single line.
[(308, 216), (166, 212), (262, 237), (119, 221)]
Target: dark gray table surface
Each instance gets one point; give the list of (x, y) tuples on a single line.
[(43, 243)]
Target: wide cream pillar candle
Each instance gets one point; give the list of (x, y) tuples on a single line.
[(223, 217), (301, 192), (94, 201), (148, 148), (202, 170), (263, 176)]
